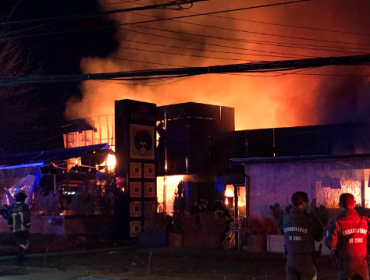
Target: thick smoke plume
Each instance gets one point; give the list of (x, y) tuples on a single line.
[(315, 96)]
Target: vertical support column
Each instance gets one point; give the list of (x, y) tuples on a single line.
[(236, 209), (247, 190)]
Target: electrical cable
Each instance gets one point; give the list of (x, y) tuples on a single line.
[(151, 84), (171, 18), (177, 3), (84, 16), (239, 40), (156, 74), (202, 50), (286, 25), (212, 26), (190, 55), (148, 62), (258, 33), (208, 43)]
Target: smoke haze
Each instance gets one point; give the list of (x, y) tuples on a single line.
[(315, 96)]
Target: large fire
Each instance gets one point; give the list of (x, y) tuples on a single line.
[(260, 100)]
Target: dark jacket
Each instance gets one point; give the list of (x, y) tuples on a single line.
[(19, 217), (300, 232), (348, 233)]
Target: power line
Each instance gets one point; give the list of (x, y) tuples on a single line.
[(259, 33), (274, 24), (200, 50), (265, 42), (192, 55), (54, 20), (337, 49), (257, 42), (208, 43), (171, 18), (222, 11), (148, 62), (157, 74), (286, 25), (256, 33), (175, 3), (176, 80)]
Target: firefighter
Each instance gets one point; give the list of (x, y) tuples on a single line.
[(300, 230), (347, 237), (19, 222)]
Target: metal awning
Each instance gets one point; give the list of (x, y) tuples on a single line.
[(45, 157)]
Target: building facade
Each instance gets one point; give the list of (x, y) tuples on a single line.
[(273, 180)]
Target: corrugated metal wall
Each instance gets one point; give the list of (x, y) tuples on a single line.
[(324, 181)]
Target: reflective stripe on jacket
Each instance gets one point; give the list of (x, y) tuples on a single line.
[(19, 217)]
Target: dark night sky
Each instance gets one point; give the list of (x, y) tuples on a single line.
[(61, 53), (58, 53)]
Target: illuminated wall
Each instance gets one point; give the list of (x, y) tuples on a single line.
[(323, 180)]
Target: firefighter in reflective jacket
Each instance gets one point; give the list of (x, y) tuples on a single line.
[(300, 230), (19, 222), (347, 237)]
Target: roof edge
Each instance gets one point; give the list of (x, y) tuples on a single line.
[(234, 161)]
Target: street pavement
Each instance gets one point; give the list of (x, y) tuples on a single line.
[(28, 273), (32, 273)]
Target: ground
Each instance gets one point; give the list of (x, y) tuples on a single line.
[(166, 263)]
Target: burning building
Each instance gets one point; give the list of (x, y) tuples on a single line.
[(168, 157), (193, 148)]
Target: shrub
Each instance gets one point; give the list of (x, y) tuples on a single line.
[(209, 223), (158, 222), (320, 212), (255, 226), (46, 204), (184, 222), (83, 204), (206, 222)]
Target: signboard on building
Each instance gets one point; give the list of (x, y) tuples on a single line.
[(135, 150)]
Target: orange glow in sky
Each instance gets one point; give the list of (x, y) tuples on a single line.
[(261, 100)]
